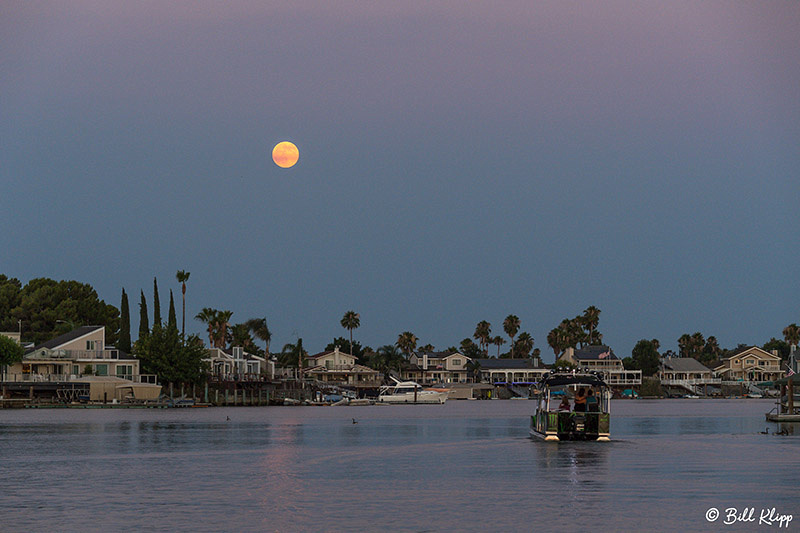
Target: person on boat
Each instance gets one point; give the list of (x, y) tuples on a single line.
[(591, 402), (564, 405), (580, 401)]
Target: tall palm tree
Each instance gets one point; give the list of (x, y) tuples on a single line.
[(553, 341), (182, 277), (222, 326), (482, 332), (590, 319), (511, 327), (407, 342), (498, 341), (258, 327), (428, 348), (685, 345), (208, 316), (525, 343), (711, 347), (698, 343), (350, 321), (791, 334)]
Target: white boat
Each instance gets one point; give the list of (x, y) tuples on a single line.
[(411, 392)]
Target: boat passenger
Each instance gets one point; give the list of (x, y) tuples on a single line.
[(564, 405), (580, 401), (591, 402)]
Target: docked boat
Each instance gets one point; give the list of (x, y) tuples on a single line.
[(553, 424), (411, 392)]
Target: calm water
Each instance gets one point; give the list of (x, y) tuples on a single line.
[(464, 466)]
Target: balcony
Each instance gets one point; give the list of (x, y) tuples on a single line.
[(61, 378)]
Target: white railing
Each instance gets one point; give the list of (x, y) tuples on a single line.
[(691, 382), (54, 378)]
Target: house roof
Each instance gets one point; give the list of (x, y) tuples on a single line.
[(684, 364), (759, 351), (593, 353), (67, 337), (512, 364)]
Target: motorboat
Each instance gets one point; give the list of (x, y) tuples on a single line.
[(554, 424), (411, 392)]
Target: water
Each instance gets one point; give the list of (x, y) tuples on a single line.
[(463, 466)]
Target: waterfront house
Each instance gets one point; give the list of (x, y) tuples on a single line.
[(602, 358), (510, 371), (82, 351), (686, 373), (750, 363), (335, 367), (436, 367), (238, 364)]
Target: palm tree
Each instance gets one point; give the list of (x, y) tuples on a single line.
[(482, 332), (590, 319), (222, 326), (525, 343), (685, 345), (498, 341), (474, 368), (428, 348), (791, 334), (183, 277), (711, 348), (553, 341), (698, 343), (511, 327), (208, 316), (240, 336), (293, 355), (407, 342), (350, 321), (258, 327), (388, 358)]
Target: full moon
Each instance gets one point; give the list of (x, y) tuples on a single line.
[(285, 154)]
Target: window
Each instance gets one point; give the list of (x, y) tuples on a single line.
[(101, 370), (456, 362), (124, 371), (751, 361)]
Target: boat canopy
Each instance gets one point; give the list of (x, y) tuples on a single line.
[(565, 379)]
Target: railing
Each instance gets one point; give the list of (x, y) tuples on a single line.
[(92, 354), (54, 378), (696, 381)]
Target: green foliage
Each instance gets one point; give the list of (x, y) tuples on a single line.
[(10, 298), (172, 320), (470, 349), (124, 343), (564, 364), (576, 332), (651, 387), (10, 351), (44, 304), (344, 346), (776, 344), (144, 325), (629, 363), (240, 336), (291, 354), (386, 359), (258, 327), (162, 353), (156, 304), (645, 357)]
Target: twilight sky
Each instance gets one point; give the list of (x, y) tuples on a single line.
[(459, 161)]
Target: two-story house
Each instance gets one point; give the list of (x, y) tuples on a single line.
[(82, 351), (602, 358), (511, 371), (750, 363), (339, 368), (436, 367), (237, 364)]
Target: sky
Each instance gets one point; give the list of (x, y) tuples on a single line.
[(459, 161)]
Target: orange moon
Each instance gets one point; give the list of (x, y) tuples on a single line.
[(285, 154)]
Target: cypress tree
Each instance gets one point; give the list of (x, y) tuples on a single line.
[(172, 319), (144, 326), (156, 305), (124, 343)]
